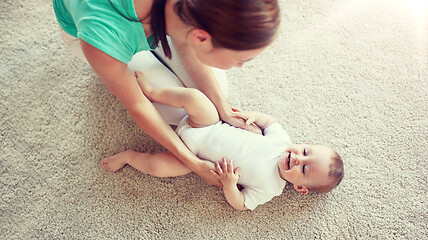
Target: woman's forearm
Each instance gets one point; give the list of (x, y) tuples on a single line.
[(209, 85), (202, 75), (151, 122)]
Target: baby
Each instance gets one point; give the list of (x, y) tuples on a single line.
[(263, 162)]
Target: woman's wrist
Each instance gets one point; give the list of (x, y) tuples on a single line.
[(189, 159), (223, 108)]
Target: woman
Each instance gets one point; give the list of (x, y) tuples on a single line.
[(203, 33)]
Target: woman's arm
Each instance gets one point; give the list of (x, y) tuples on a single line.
[(205, 79), (122, 83)]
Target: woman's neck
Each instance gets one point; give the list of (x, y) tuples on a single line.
[(175, 28)]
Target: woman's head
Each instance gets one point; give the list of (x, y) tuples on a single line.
[(232, 25)]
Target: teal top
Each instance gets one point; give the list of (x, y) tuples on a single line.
[(98, 23)]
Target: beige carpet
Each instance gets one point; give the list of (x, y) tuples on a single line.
[(352, 74)]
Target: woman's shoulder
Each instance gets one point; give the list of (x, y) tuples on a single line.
[(115, 30)]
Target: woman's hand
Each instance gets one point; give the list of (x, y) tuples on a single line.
[(249, 117), (204, 171), (234, 117)]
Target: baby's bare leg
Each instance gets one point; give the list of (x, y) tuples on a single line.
[(200, 109), (159, 165)]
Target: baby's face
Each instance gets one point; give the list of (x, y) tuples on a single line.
[(306, 165)]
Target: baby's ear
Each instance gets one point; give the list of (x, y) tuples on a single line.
[(301, 189)]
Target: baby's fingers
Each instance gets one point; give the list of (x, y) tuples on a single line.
[(237, 171), (230, 166), (218, 168), (225, 165), (139, 74)]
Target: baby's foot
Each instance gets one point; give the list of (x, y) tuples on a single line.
[(143, 83), (116, 162)]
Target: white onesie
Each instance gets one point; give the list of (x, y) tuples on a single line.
[(255, 155)]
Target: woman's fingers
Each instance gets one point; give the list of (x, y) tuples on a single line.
[(250, 127), (250, 120), (240, 115), (239, 123), (215, 174)]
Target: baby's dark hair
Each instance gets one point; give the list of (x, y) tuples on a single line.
[(336, 172)]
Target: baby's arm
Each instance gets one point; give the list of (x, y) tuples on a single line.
[(229, 178), (262, 120)]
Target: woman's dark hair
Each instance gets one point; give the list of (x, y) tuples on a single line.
[(232, 24), (158, 26)]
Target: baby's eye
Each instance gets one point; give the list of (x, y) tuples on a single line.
[(304, 151), (303, 169)]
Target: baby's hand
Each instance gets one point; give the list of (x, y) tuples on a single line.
[(139, 75), (144, 84), (227, 176)]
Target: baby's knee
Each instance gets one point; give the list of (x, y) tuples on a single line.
[(197, 98), (194, 95)]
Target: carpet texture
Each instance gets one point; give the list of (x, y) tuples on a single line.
[(351, 74)]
